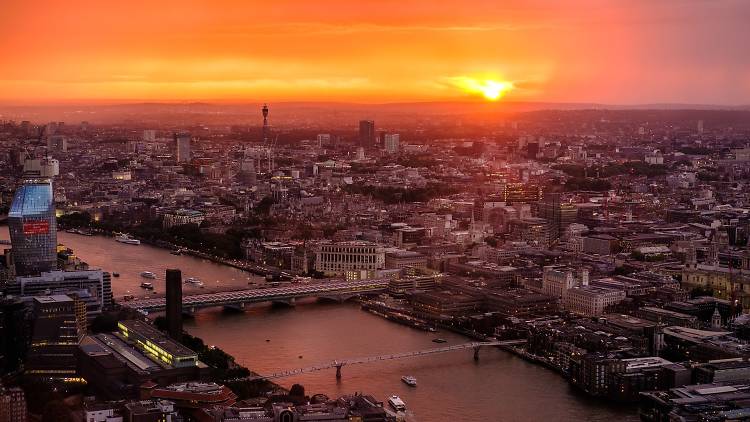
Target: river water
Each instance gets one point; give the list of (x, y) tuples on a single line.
[(452, 386)]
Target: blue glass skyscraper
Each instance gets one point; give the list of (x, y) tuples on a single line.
[(33, 227)]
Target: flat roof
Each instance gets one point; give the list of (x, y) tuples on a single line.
[(155, 336), (53, 299)]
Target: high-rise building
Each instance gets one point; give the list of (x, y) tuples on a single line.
[(12, 405), (174, 304), (149, 135), (57, 143), (31, 220), (182, 143), (59, 325), (324, 139), (15, 329), (559, 214), (247, 172), (391, 142), (700, 126), (366, 133)]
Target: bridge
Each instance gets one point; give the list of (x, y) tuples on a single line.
[(338, 364), (338, 290)]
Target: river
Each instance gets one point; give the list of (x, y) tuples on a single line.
[(452, 386)]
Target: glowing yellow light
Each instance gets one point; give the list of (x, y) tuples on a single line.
[(490, 89)]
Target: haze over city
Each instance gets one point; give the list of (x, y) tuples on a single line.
[(580, 51)]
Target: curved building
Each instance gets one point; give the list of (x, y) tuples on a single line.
[(33, 227)]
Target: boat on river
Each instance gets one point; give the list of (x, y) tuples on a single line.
[(409, 380), (397, 404), (127, 239)]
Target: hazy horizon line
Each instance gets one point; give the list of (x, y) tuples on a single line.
[(475, 102)]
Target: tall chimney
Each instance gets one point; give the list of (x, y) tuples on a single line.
[(174, 304)]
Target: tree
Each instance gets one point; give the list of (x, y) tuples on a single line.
[(297, 390), (264, 206)]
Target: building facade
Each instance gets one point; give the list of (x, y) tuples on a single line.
[(338, 258), (33, 227), (59, 325), (366, 133)]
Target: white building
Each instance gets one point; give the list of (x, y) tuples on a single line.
[(93, 287), (655, 158), (338, 258), (556, 280), (102, 413), (41, 167), (590, 300), (181, 217), (391, 142)]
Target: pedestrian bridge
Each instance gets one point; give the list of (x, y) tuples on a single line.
[(339, 290), (338, 364)]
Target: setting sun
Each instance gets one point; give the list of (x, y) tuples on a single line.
[(488, 88)]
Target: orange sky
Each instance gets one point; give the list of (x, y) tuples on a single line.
[(630, 51)]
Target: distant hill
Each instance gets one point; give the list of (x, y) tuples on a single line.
[(299, 112)]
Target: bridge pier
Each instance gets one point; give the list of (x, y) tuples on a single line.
[(338, 371), (237, 307), (286, 302), (337, 298), (476, 353)]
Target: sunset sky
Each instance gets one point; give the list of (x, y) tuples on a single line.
[(616, 52)]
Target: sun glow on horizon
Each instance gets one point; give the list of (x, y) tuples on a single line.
[(490, 89)]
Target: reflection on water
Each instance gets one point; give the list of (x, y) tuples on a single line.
[(452, 387), (130, 260)]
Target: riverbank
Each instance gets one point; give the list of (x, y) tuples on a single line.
[(452, 386), (260, 270), (403, 316)]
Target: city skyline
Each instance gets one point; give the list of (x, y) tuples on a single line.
[(381, 211), (609, 52)]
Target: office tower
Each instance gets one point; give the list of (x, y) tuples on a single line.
[(700, 126), (15, 331), (366, 133), (59, 324), (532, 149), (174, 304), (149, 135), (559, 214), (31, 220), (247, 172), (380, 139), (51, 128), (12, 405), (182, 143), (391, 142), (57, 143), (324, 139)]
